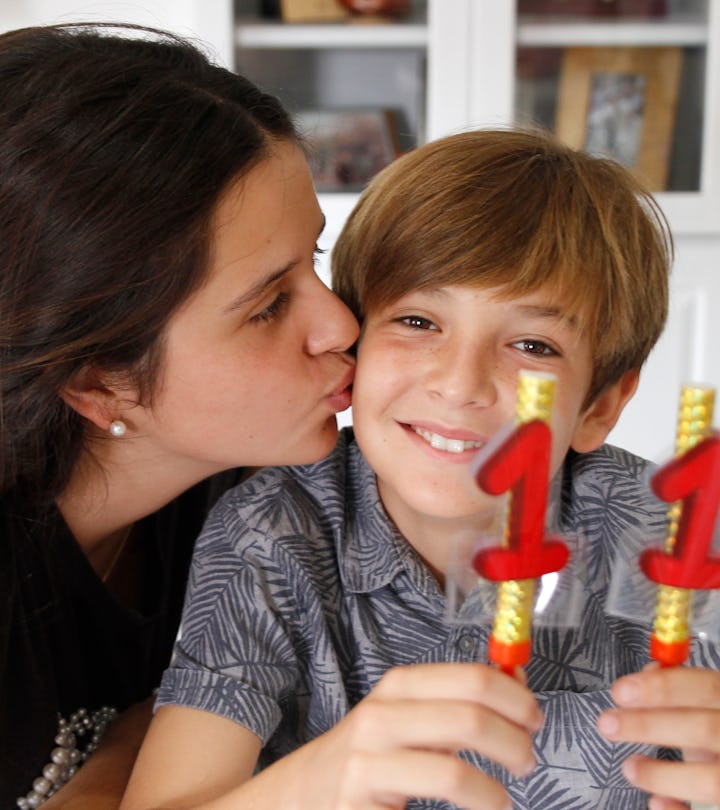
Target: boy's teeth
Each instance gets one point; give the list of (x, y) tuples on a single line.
[(442, 443)]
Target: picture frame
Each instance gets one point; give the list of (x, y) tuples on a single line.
[(312, 11), (621, 102), (348, 146)]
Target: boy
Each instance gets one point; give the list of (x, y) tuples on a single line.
[(313, 635)]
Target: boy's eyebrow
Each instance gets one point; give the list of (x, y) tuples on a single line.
[(547, 311)]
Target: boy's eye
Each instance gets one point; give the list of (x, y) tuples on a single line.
[(273, 310), (535, 347), (417, 322)]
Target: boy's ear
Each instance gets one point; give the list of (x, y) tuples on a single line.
[(89, 395), (599, 419)]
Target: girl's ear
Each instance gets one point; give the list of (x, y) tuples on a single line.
[(599, 419), (94, 398)]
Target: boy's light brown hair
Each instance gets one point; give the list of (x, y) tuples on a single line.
[(517, 210)]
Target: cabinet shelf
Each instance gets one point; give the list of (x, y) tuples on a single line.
[(684, 32), (252, 34)]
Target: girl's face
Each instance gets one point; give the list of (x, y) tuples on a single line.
[(254, 366)]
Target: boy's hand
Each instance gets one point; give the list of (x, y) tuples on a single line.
[(402, 739), (678, 707)]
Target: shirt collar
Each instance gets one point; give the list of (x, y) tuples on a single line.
[(373, 553)]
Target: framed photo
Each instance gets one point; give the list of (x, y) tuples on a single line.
[(348, 147), (309, 11), (621, 102)]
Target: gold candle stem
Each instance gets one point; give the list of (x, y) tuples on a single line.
[(694, 423), (513, 611)]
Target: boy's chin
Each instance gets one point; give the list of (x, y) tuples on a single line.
[(480, 512)]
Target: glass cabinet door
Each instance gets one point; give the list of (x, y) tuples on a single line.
[(639, 79), (635, 79), (357, 87)]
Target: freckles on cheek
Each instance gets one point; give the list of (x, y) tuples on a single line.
[(379, 379)]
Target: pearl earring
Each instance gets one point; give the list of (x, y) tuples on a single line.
[(118, 428)]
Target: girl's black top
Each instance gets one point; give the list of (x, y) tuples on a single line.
[(65, 642)]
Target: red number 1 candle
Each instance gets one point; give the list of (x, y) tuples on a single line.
[(670, 641), (520, 464)]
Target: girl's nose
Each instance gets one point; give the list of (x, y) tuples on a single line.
[(333, 327)]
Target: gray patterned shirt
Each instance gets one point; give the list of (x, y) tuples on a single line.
[(302, 594)]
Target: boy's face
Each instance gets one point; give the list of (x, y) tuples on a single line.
[(437, 377)]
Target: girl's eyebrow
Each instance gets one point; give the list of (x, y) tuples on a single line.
[(263, 284), (258, 288)]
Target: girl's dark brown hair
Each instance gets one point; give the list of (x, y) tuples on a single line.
[(114, 151), (516, 210)]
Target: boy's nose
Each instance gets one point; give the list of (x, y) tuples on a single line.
[(463, 377)]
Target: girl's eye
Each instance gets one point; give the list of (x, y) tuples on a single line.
[(273, 310), (317, 253), (417, 322), (535, 347)]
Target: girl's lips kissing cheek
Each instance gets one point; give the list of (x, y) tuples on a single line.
[(341, 396), (449, 445)]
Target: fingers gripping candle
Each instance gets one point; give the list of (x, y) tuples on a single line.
[(670, 641), (521, 464)]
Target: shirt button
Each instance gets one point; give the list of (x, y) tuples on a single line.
[(466, 644)]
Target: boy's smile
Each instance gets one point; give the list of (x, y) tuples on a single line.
[(436, 379), (442, 441)]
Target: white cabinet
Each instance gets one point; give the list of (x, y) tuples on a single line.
[(453, 64), (467, 56), (457, 64)]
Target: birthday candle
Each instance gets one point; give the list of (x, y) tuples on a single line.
[(670, 641), (509, 644)]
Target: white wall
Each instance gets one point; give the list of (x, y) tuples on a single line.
[(687, 351), (209, 22)]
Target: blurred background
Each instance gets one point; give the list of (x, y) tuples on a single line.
[(370, 79)]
